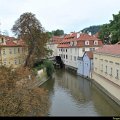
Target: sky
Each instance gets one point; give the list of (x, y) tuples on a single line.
[(68, 15)]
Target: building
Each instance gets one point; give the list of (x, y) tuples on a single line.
[(53, 43), (74, 45), (107, 69), (107, 62), (85, 64), (12, 51)]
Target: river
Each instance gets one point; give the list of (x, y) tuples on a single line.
[(72, 95)]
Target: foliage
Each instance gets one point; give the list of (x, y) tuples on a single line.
[(15, 97), (57, 32), (110, 33), (104, 34), (93, 29), (28, 28), (49, 67)]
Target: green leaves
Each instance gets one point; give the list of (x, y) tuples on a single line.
[(110, 33)]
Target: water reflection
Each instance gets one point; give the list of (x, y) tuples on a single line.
[(71, 95)]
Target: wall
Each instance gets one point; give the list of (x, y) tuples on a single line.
[(13, 56), (100, 63)]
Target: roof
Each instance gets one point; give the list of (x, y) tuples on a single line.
[(11, 42), (109, 49), (56, 39), (84, 36), (80, 38)]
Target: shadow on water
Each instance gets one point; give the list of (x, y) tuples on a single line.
[(72, 95)]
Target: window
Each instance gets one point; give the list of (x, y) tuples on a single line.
[(18, 50), (66, 50), (83, 49), (106, 69), (86, 42), (90, 49), (3, 51), (15, 62), (14, 50), (74, 58), (117, 74), (10, 51), (95, 42), (66, 57), (2, 40), (110, 71)]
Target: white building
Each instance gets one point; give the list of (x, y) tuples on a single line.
[(53, 43), (74, 45)]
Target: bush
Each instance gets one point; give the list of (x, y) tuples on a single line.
[(49, 67)]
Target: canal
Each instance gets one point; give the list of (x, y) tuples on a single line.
[(71, 95)]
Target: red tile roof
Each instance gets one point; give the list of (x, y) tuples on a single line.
[(11, 41), (109, 49), (81, 40), (84, 36), (56, 39), (63, 45)]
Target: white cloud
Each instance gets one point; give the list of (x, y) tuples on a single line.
[(69, 15)]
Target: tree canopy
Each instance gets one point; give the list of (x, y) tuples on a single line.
[(17, 98), (29, 29), (110, 33), (93, 29), (57, 32)]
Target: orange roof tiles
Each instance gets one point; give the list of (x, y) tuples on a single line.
[(63, 46), (109, 49), (11, 41)]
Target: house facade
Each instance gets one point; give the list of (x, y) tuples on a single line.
[(107, 63), (12, 52), (74, 45), (53, 43), (85, 64)]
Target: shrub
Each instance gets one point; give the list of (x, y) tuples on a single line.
[(49, 67)]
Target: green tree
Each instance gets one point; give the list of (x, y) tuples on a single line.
[(105, 34), (93, 29), (58, 32), (111, 31), (28, 28), (49, 67)]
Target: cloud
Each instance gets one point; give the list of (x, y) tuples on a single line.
[(69, 15)]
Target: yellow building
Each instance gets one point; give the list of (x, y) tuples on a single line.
[(12, 51), (106, 71)]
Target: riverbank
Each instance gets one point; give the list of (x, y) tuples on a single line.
[(41, 78), (110, 89)]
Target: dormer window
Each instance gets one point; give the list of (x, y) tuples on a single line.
[(71, 43), (95, 42), (86, 42), (2, 40)]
